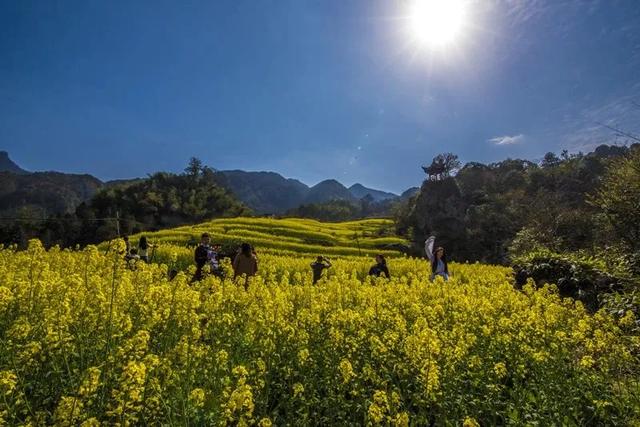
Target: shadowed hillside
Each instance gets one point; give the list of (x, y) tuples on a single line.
[(45, 192), (8, 165)]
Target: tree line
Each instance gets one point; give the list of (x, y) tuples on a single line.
[(567, 203), (162, 200)]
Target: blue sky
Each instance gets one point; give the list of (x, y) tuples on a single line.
[(310, 89)]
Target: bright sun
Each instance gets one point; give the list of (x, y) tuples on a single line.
[(437, 23)]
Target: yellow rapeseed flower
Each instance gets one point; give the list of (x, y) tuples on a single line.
[(196, 397), (8, 381)]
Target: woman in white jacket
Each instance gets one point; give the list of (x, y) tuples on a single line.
[(438, 259)]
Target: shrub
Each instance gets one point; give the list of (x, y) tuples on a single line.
[(581, 277)]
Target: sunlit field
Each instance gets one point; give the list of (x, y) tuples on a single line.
[(86, 340), (301, 239), (507, 130)]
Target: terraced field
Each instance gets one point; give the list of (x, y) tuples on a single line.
[(293, 236)]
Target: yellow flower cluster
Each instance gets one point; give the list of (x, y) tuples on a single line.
[(87, 341)]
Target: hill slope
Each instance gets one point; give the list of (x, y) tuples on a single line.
[(359, 191), (8, 165), (271, 193), (327, 190), (410, 193), (48, 192), (264, 192)]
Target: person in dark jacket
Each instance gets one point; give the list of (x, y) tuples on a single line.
[(318, 267), (201, 255), (127, 249), (143, 248), (438, 259), (380, 267)]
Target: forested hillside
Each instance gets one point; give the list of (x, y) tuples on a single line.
[(482, 210), (40, 194), (160, 201), (265, 192), (347, 210), (44, 193), (572, 221)]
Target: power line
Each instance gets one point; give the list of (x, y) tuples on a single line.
[(621, 132)]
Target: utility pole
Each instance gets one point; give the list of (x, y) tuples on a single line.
[(118, 223)]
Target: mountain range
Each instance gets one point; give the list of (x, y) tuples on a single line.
[(270, 192), (263, 192)]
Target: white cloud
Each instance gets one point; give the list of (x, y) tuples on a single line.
[(507, 139)]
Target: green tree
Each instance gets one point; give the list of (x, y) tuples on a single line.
[(619, 198), (450, 162), (550, 159), (194, 168)]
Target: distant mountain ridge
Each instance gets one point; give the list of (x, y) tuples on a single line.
[(48, 192), (327, 190), (359, 191), (263, 192), (271, 193)]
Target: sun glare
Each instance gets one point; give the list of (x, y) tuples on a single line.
[(437, 23)]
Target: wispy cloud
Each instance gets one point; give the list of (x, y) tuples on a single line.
[(594, 125), (507, 139), (522, 11)]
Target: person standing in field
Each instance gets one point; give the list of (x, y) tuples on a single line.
[(143, 248), (130, 254), (438, 259), (214, 261), (201, 255), (132, 258), (245, 264), (380, 267), (318, 266), (127, 245)]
